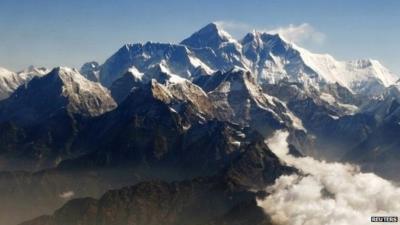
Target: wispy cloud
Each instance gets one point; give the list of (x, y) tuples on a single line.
[(301, 33)]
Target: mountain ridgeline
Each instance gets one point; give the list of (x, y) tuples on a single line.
[(176, 133)]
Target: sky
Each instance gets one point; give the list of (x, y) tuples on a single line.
[(71, 32)]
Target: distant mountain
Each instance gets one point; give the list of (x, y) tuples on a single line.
[(10, 81), (268, 56)]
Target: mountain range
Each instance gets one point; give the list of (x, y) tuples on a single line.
[(175, 133)]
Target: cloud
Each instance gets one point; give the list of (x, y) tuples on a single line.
[(299, 33), (294, 33), (326, 193)]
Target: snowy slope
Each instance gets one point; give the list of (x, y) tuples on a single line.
[(9, 82)]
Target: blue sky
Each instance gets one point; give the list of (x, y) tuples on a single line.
[(69, 33)]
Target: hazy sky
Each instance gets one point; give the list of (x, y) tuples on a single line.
[(71, 32)]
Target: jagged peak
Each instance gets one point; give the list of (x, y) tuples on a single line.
[(212, 35)]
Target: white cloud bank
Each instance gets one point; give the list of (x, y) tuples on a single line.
[(328, 193)]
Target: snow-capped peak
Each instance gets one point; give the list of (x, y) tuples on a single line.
[(212, 35), (5, 72)]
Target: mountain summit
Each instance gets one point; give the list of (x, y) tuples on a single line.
[(211, 36)]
